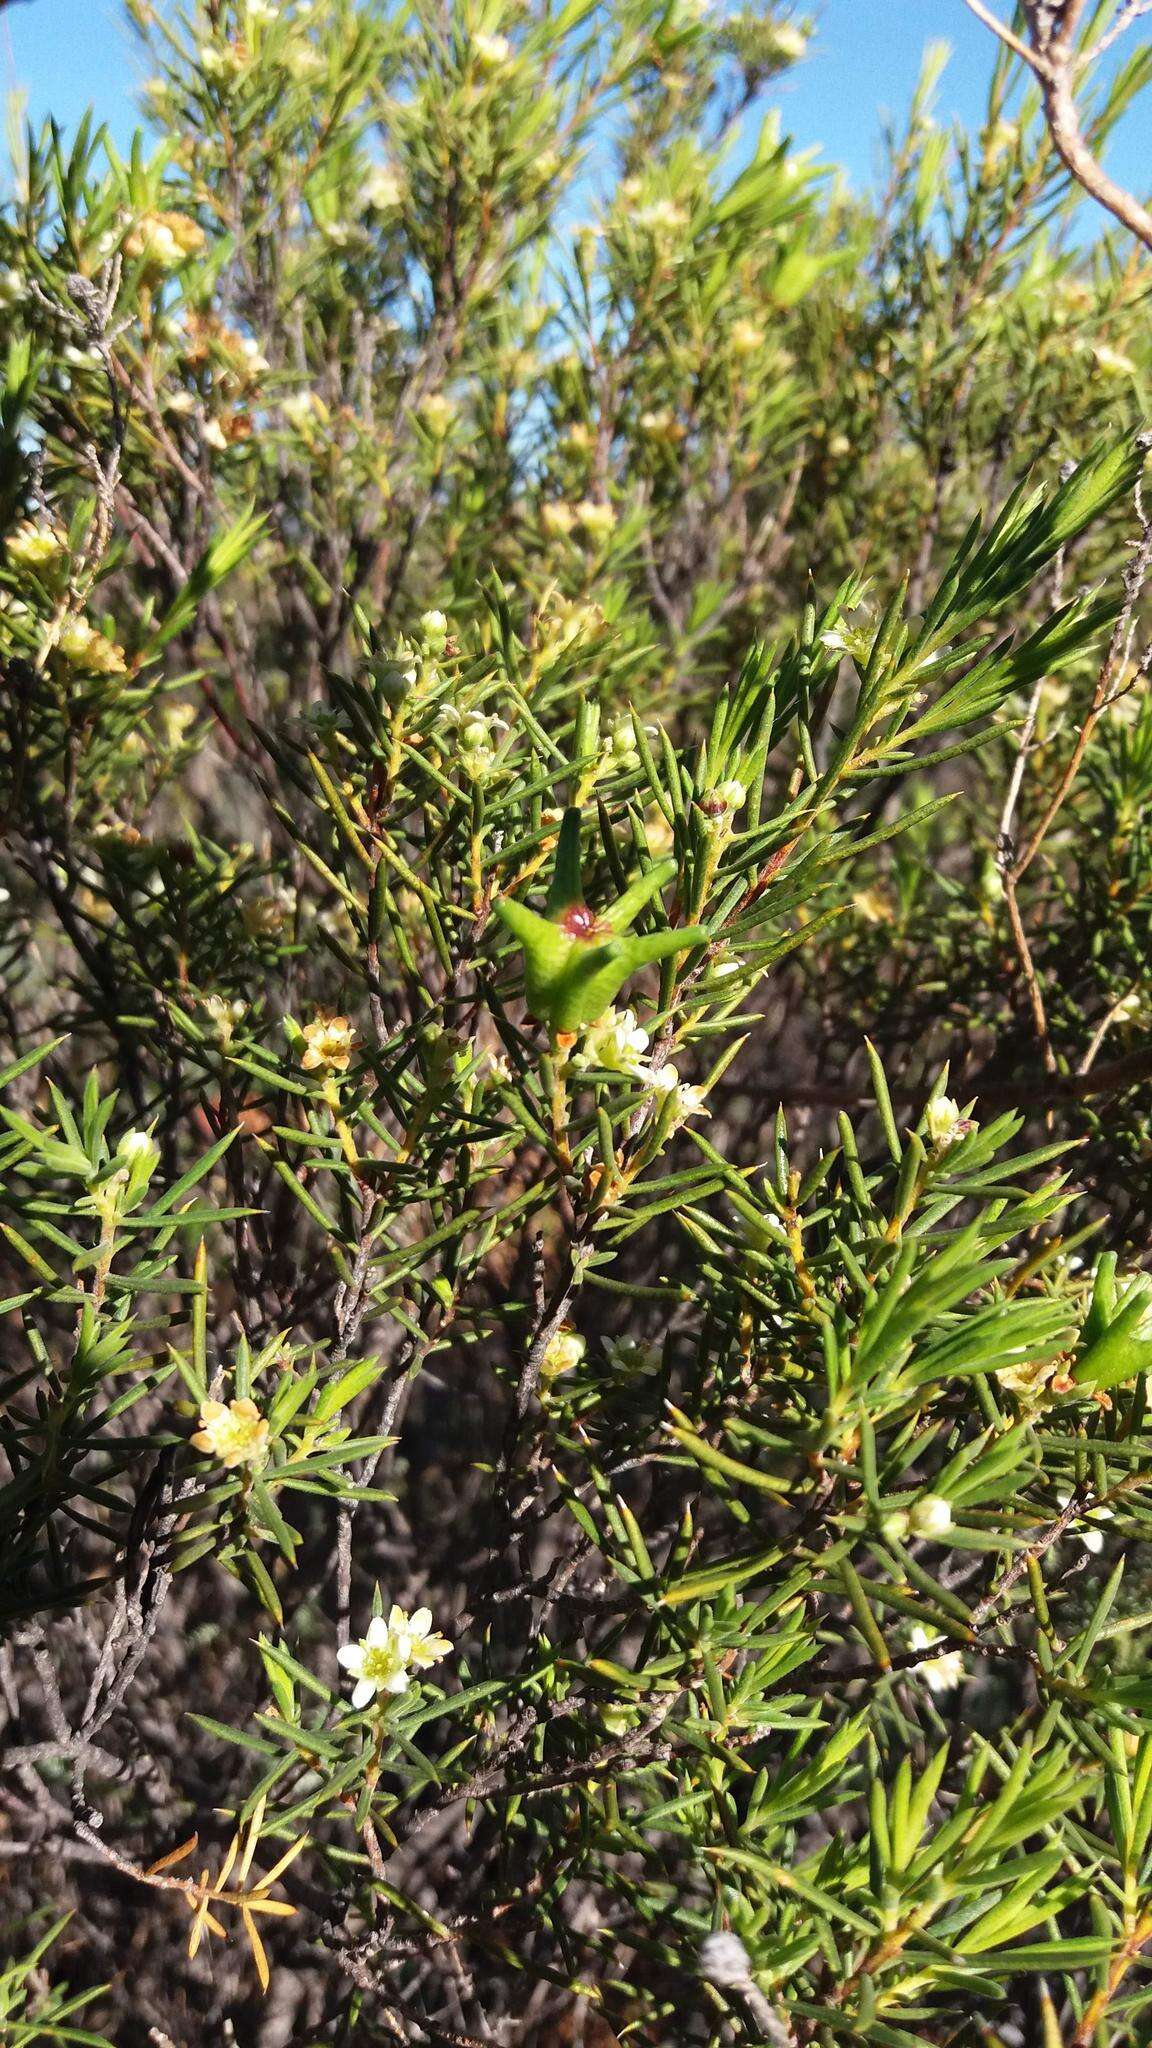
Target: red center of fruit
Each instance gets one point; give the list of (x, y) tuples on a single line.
[(581, 923)]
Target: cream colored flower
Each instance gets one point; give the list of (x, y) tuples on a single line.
[(789, 41), (422, 1646), (1113, 361), (931, 1515), (135, 1146), (302, 408), (616, 1042), (940, 1674), (235, 1432), (222, 62), (620, 751), (873, 906), (746, 337), (163, 241), (86, 649), (265, 915), (437, 413), (946, 1123), (223, 1015), (1029, 1380), (434, 631), (382, 189), (385, 1658), (36, 544), (375, 1663), (565, 1352), (597, 520), (732, 795), (251, 354), (330, 1042), (557, 518), (478, 744), (303, 61), (659, 216), (491, 52), (690, 1101)]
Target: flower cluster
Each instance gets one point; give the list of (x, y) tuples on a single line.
[(392, 1653)]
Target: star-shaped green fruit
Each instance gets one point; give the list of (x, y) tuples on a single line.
[(575, 958)]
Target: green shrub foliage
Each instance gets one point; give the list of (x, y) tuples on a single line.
[(575, 943)]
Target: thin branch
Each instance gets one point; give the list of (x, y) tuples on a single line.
[(1051, 54)]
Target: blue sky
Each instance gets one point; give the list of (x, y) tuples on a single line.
[(71, 54)]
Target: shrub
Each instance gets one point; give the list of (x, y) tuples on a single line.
[(574, 1172)]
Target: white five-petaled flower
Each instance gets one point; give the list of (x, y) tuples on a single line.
[(394, 1647), (940, 1674)]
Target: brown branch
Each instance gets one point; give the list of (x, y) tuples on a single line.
[(1051, 54)]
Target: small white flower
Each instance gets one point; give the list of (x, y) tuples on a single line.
[(223, 1015), (220, 62), (303, 61), (382, 190), (617, 1042), (940, 1674), (254, 357), (434, 631), (385, 1658), (661, 1080), (300, 408), (931, 1515), (789, 41), (690, 1101), (946, 1123), (136, 1145), (659, 216), (478, 741), (491, 51)]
